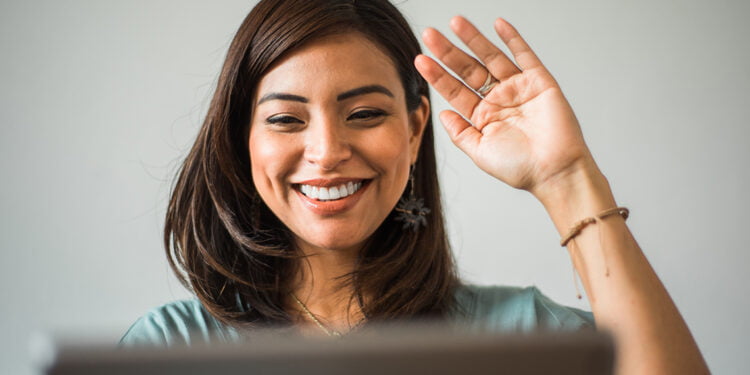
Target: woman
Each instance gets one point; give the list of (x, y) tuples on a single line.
[(310, 199)]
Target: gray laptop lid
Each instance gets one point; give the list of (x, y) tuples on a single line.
[(393, 352)]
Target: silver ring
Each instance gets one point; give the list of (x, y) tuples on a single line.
[(489, 83)]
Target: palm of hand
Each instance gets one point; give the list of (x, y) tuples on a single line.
[(528, 131), (524, 131)]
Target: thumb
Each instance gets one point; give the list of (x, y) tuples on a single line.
[(463, 135)]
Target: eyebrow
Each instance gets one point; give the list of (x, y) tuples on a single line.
[(364, 90), (282, 96)]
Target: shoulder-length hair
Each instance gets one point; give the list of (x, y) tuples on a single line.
[(222, 241)]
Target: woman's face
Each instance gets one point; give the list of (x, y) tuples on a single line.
[(331, 141)]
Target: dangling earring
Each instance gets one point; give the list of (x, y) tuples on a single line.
[(410, 209)]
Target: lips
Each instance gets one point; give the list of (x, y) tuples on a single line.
[(331, 197)]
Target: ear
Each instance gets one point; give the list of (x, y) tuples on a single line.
[(418, 122)]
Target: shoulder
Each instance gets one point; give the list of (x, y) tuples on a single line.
[(177, 323), (504, 308)]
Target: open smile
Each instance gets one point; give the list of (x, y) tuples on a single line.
[(331, 193), (329, 197)]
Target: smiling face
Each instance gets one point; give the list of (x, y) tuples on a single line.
[(331, 141)]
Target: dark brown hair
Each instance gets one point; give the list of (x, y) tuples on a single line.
[(230, 249)]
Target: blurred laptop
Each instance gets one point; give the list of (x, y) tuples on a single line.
[(417, 350)]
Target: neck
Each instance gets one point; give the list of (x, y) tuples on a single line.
[(321, 287)]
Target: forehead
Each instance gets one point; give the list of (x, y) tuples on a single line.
[(332, 64)]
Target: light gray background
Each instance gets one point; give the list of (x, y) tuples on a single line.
[(101, 99)]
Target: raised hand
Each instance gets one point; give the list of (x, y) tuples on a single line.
[(523, 130)]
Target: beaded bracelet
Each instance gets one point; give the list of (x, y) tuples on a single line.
[(578, 227)]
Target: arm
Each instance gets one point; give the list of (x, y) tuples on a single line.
[(524, 133), (625, 293)]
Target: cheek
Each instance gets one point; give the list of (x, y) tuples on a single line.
[(390, 154), (269, 160), (393, 148)]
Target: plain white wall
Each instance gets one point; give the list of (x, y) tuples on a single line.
[(101, 99)]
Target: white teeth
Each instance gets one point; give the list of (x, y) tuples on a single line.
[(324, 195), (330, 193), (333, 193)]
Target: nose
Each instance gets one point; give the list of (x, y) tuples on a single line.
[(327, 144)]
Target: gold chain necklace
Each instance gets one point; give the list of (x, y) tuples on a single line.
[(329, 332)]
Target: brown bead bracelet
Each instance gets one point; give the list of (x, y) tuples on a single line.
[(578, 227)]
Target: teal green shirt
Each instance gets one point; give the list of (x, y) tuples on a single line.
[(491, 308)]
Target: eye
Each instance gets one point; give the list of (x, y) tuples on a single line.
[(284, 123), (283, 120), (366, 114)]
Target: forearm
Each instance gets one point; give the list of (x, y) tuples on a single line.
[(626, 295), (524, 133)]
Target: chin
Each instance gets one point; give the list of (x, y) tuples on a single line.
[(341, 245), (336, 242)]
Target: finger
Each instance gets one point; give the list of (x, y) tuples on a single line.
[(454, 91), (522, 53), (493, 58), (463, 135), (471, 71)]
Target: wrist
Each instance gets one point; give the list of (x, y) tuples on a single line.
[(579, 192)]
